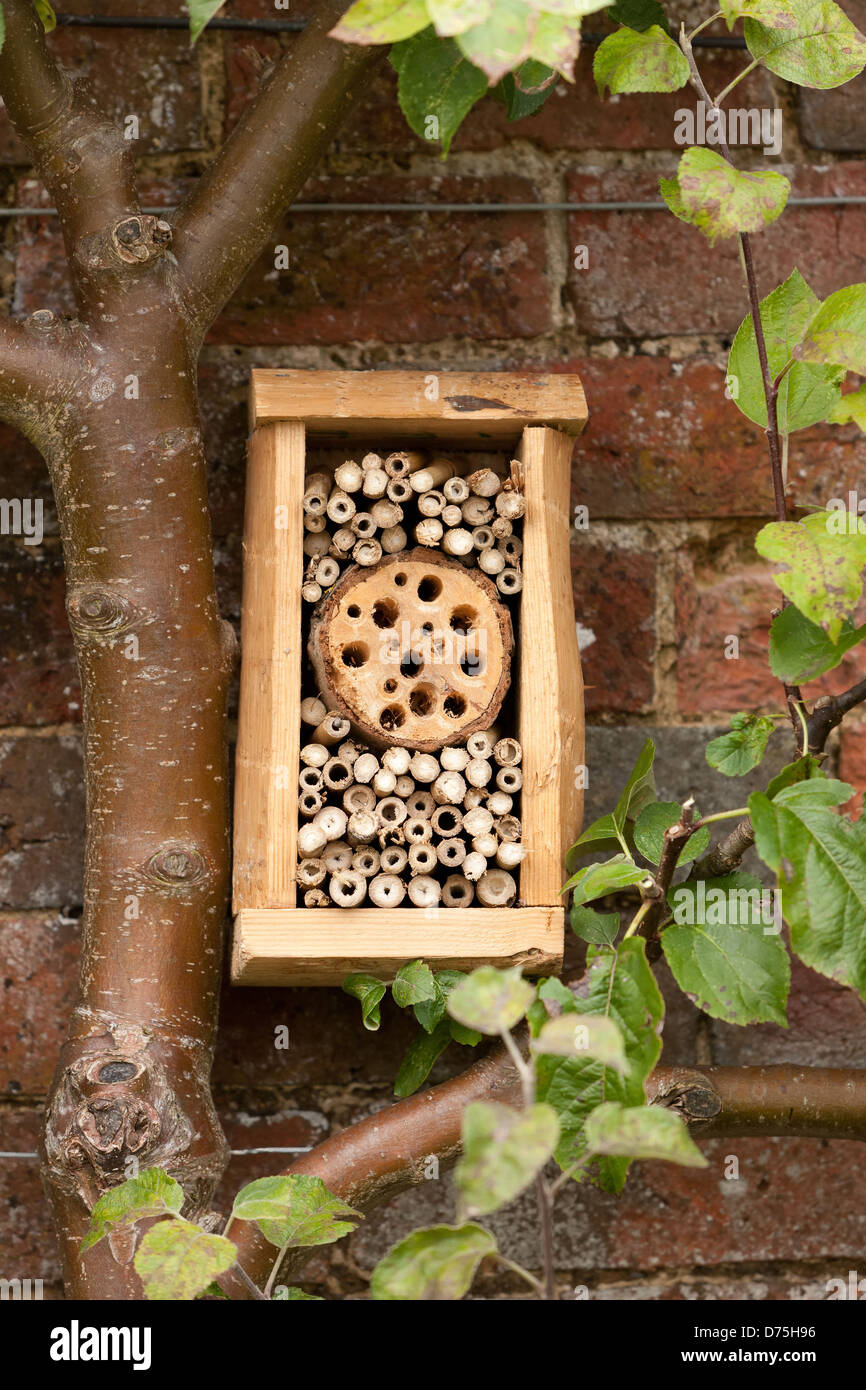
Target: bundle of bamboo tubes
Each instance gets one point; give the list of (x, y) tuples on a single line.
[(378, 828), (383, 505)]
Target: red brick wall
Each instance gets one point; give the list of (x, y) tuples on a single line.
[(676, 485)]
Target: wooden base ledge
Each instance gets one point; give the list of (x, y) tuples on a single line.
[(321, 946)]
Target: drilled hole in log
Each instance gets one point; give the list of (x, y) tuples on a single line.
[(356, 654), (400, 579), (429, 589), (411, 665), (392, 717), (421, 700), (354, 611), (463, 619), (385, 612), (472, 664), (389, 687), (454, 705)]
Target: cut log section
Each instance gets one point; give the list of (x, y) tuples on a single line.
[(415, 650)]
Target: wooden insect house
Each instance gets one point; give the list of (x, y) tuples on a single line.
[(410, 731)]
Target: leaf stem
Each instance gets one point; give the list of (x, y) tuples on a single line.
[(275, 1269), (731, 85), (638, 918), (245, 1279), (721, 815), (524, 1273), (712, 19)]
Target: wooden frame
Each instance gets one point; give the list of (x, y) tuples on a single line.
[(276, 942)]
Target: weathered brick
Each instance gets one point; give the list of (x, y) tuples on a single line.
[(39, 957), (40, 675), (398, 277), (41, 822), (27, 1246), (614, 599), (651, 275), (836, 120), (284, 1131), (852, 757)]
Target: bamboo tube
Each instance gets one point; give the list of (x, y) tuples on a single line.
[(457, 891), (315, 525), (507, 752), (451, 853), (386, 890), (390, 835), (512, 549), (474, 797), (397, 465), (434, 475), (393, 859), (311, 872), (491, 561), (366, 861), (422, 859), (429, 531), (314, 754), (311, 592), (343, 540), (510, 854), (449, 789), (384, 782), (327, 572), (455, 489), (316, 490), (453, 758), (337, 855), (310, 803), (485, 844), (474, 865), (499, 804), (332, 730), (357, 798), (317, 545), (424, 768), (398, 490), (386, 514), (483, 538), (363, 525), (349, 751), (484, 482), (509, 581), (509, 779), (316, 897), (424, 891), (403, 787), (391, 811), (397, 760), (482, 743), (341, 507), (478, 821), (392, 539), (365, 768), (457, 541), (367, 553), (310, 779), (347, 888), (375, 482), (501, 527), (476, 511), (421, 804), (508, 828), (333, 820), (417, 831), (511, 505), (496, 888), (362, 828), (348, 476), (478, 772), (446, 821), (311, 840), (371, 460), (451, 515), (431, 503)]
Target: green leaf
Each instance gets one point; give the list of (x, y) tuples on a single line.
[(524, 91), (420, 1056), (600, 928), (820, 858), (291, 1294), (801, 651), (837, 331), (611, 876), (807, 393), (214, 1291), (437, 86), (296, 1210), (430, 1012), (710, 194), (638, 792), (650, 61), (555, 39), (724, 950), (799, 771), (743, 748), (491, 1000), (823, 578), (152, 1193), (201, 12), (650, 827), (45, 13), (370, 992), (413, 984), (176, 1260), (501, 42), (647, 1131), (620, 986), (381, 21), (432, 1265), (850, 407), (2, 28), (588, 1036), (452, 17), (638, 14), (467, 1037), (503, 1150), (810, 42)]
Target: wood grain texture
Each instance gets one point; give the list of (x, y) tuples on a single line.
[(550, 685), (321, 946), (266, 765), (470, 408)]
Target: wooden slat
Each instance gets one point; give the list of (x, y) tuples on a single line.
[(321, 946), (266, 767), (550, 686), (468, 408)]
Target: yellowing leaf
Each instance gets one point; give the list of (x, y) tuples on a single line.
[(720, 200), (823, 578)]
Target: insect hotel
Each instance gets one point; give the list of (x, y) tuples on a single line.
[(411, 707)]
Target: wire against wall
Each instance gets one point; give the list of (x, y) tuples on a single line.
[(844, 200)]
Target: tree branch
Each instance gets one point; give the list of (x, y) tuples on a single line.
[(829, 711), (225, 223)]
